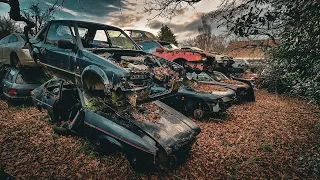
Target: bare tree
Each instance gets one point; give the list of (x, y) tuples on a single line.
[(8, 26), (38, 16), (167, 8), (207, 42)]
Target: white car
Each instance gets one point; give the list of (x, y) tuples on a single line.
[(14, 52)]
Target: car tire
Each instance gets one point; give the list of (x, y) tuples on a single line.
[(15, 61), (198, 114)]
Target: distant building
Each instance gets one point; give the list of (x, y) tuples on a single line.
[(250, 50)]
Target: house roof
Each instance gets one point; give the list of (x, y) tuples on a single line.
[(250, 49)]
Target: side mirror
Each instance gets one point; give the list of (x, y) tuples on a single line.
[(159, 50), (65, 44)]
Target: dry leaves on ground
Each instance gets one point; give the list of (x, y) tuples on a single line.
[(266, 139)]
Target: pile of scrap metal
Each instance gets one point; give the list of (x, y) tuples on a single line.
[(151, 134), (103, 89)]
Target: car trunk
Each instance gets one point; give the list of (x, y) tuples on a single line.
[(24, 90)]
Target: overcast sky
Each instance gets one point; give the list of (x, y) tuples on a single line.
[(128, 14)]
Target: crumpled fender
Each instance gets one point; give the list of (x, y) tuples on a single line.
[(98, 71)]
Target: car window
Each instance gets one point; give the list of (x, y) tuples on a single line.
[(23, 79), (57, 32), (101, 38), (219, 76), (23, 37), (120, 40), (135, 34), (168, 46), (13, 39), (5, 40), (42, 34), (203, 77), (150, 35), (149, 46), (10, 75)]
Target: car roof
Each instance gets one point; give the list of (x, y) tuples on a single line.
[(87, 22)]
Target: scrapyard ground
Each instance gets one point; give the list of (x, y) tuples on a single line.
[(274, 137)]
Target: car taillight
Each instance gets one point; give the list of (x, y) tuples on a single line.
[(12, 92)]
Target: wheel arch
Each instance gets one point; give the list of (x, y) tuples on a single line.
[(92, 71)]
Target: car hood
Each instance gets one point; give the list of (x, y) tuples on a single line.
[(202, 52), (227, 85), (172, 130), (214, 96)]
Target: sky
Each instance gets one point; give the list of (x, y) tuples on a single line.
[(128, 14)]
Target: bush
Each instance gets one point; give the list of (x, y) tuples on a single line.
[(294, 66)]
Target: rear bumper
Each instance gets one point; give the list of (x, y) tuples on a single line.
[(17, 99)]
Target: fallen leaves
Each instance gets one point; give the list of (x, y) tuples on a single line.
[(147, 112), (251, 141), (230, 81), (207, 88)]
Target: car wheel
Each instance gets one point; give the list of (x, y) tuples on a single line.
[(15, 61), (198, 114)]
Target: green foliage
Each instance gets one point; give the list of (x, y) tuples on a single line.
[(167, 35), (294, 66)]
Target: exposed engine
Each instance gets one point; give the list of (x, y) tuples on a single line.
[(144, 71)]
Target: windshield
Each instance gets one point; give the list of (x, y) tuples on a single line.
[(197, 49), (218, 76), (103, 37), (168, 46)]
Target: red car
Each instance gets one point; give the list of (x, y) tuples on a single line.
[(188, 58)]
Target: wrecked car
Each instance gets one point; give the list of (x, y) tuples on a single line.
[(191, 60), (16, 85), (101, 57), (200, 99), (151, 134), (243, 88)]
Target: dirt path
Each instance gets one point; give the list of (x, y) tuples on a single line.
[(275, 137)]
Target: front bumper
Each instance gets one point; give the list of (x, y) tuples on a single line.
[(218, 107)]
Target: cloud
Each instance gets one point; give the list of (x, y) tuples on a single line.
[(126, 20), (187, 29)]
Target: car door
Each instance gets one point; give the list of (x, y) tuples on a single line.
[(51, 95), (59, 61)]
